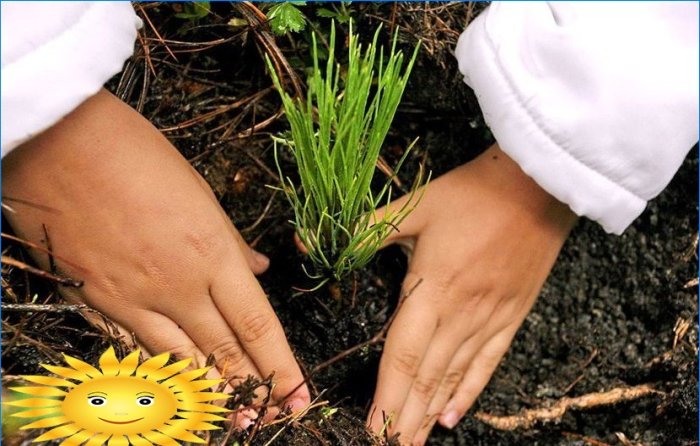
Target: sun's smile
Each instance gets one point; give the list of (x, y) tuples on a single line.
[(84, 404), (121, 422)]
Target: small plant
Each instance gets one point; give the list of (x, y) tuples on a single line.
[(336, 137), (285, 17), (194, 10)]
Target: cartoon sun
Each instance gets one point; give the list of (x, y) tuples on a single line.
[(121, 403)]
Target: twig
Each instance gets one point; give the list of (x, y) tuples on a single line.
[(155, 31), (527, 418), (67, 281), (587, 440), (40, 248), (45, 308)]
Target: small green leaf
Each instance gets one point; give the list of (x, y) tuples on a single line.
[(328, 412), (237, 22), (194, 10), (323, 12), (286, 17)]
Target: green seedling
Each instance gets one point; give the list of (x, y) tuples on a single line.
[(336, 135)]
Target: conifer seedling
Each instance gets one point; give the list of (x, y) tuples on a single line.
[(337, 132)]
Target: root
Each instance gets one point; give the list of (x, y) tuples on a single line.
[(527, 418)]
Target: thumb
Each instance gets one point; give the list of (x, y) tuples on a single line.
[(404, 230), (257, 262)]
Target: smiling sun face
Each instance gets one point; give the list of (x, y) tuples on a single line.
[(120, 405), (121, 402)]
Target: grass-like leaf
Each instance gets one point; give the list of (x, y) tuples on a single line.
[(337, 132)]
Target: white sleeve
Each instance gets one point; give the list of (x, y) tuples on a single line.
[(597, 102), (55, 55)]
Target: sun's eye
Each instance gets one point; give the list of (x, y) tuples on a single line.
[(144, 400), (97, 400)]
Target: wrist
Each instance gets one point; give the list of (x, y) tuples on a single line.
[(504, 177)]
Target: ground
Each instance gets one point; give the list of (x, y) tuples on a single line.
[(616, 312)]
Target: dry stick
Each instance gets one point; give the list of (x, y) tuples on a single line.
[(587, 440), (67, 281), (527, 418), (155, 31), (376, 339), (45, 308), (222, 109), (40, 248), (262, 216), (256, 17), (52, 261)]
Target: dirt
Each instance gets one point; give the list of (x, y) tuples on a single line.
[(605, 318)]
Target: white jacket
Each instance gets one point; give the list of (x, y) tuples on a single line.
[(598, 102)]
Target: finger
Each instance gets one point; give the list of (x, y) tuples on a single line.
[(454, 374), (477, 376), (407, 228), (260, 333), (414, 413), (212, 335), (159, 334), (299, 244), (406, 344), (257, 262)]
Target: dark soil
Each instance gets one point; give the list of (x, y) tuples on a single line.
[(605, 318)]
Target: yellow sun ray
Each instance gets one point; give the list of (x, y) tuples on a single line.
[(192, 425), (34, 402), (36, 413), (195, 386), (200, 407), (178, 433), (82, 366), (118, 440), (46, 422), (160, 439), (77, 439), (97, 440), (109, 364), (66, 430), (184, 378), (48, 381), (39, 391), (152, 364), (201, 397), (66, 372), (129, 363), (137, 440), (169, 370), (200, 416)]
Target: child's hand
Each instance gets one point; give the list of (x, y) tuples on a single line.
[(144, 231), (484, 239)]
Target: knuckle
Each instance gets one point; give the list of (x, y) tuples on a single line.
[(425, 388), (406, 363), (452, 379), (256, 326), (205, 241), (229, 356), (184, 351)]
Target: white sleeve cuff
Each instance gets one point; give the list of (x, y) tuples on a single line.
[(55, 55), (601, 122)]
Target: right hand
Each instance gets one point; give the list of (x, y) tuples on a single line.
[(144, 231)]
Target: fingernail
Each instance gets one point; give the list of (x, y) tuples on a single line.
[(246, 423), (450, 419), (296, 404), (261, 258)]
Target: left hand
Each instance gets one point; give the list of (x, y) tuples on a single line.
[(484, 239)]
